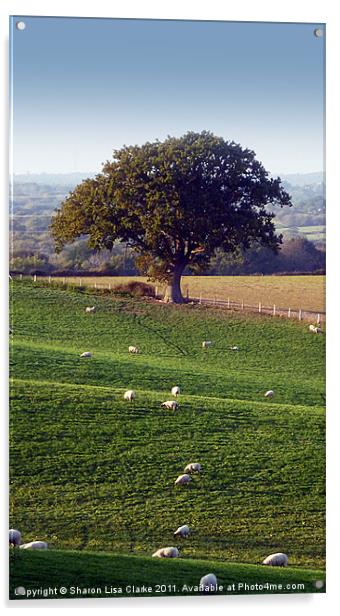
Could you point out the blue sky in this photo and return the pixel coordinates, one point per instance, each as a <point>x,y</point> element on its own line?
<point>83,87</point>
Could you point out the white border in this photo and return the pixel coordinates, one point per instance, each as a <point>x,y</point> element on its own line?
<point>245,10</point>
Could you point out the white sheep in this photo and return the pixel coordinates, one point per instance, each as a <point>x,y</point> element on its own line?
<point>206,344</point>
<point>175,390</point>
<point>269,394</point>
<point>129,395</point>
<point>182,480</point>
<point>170,404</point>
<point>234,348</point>
<point>276,560</point>
<point>14,537</point>
<point>90,309</point>
<point>315,329</point>
<point>34,545</point>
<point>182,531</point>
<point>167,553</point>
<point>86,354</point>
<point>208,583</point>
<point>193,467</point>
<point>133,349</point>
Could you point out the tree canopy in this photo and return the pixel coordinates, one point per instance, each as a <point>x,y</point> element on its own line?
<point>175,202</point>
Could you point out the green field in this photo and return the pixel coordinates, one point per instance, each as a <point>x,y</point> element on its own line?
<point>314,233</point>
<point>306,292</point>
<point>92,473</point>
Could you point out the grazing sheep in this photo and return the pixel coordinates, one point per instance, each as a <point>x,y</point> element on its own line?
<point>167,553</point>
<point>193,467</point>
<point>276,560</point>
<point>206,344</point>
<point>129,395</point>
<point>234,348</point>
<point>34,545</point>
<point>175,391</point>
<point>134,349</point>
<point>90,309</point>
<point>315,329</point>
<point>208,583</point>
<point>269,394</point>
<point>14,537</point>
<point>86,354</point>
<point>170,404</point>
<point>182,480</point>
<point>182,531</point>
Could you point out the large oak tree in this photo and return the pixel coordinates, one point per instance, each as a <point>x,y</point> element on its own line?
<point>175,202</point>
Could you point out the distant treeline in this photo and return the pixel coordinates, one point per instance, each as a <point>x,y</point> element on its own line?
<point>32,248</point>
<point>297,255</point>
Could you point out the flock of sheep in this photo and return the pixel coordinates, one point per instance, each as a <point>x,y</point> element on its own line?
<point>208,583</point>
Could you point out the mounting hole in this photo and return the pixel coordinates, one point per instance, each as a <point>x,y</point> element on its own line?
<point>20,25</point>
<point>319,584</point>
<point>318,32</point>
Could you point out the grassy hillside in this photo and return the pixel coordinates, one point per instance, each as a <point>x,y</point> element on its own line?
<point>88,574</point>
<point>92,472</point>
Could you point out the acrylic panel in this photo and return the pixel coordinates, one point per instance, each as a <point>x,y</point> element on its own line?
<point>167,308</point>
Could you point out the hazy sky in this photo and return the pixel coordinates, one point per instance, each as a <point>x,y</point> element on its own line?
<point>83,87</point>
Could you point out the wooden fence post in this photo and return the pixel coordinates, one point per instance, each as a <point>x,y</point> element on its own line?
<point>260,307</point>
<point>64,280</point>
<point>95,284</point>
<point>35,278</point>
<point>242,305</point>
<point>228,302</point>
<point>49,280</point>
<point>300,315</point>
<point>80,282</point>
<point>156,292</point>
<point>318,319</point>
<point>20,276</point>
<point>288,313</point>
<point>274,310</point>
<point>109,286</point>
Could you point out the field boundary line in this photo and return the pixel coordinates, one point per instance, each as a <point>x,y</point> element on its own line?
<point>197,562</point>
<point>124,357</point>
<point>193,397</point>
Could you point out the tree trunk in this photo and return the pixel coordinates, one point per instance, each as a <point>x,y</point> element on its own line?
<point>173,293</point>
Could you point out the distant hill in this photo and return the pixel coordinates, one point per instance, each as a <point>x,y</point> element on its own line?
<point>302,179</point>
<point>74,177</point>
<point>53,179</point>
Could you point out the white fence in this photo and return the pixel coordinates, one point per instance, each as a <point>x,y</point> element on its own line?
<point>290,313</point>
